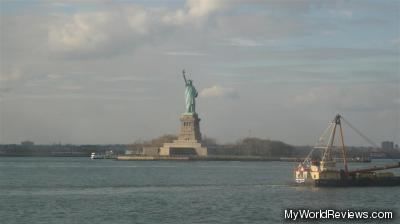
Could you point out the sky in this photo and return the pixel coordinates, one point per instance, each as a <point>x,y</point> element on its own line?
<point>107,72</point>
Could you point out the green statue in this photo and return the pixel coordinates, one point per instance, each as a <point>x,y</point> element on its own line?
<point>190,94</point>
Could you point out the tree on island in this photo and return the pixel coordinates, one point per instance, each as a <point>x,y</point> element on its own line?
<point>262,147</point>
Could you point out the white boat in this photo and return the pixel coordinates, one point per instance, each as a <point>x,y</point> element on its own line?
<point>97,156</point>
<point>108,155</point>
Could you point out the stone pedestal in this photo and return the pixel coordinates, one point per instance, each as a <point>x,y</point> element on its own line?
<point>189,139</point>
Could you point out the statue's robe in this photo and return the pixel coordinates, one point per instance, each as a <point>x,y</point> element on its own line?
<point>190,94</point>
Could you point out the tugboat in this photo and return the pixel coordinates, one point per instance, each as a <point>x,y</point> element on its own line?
<point>324,173</point>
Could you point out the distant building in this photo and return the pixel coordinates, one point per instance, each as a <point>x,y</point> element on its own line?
<point>387,145</point>
<point>27,143</point>
<point>151,151</point>
<point>144,151</point>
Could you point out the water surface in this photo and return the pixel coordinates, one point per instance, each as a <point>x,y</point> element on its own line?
<point>80,190</point>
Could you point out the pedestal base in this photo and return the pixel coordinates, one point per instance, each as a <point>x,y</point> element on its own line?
<point>183,148</point>
<point>189,139</point>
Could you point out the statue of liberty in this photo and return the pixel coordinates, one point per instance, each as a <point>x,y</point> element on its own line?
<point>190,94</point>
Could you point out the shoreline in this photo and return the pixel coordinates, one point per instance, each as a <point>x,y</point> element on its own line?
<point>204,158</point>
<point>187,158</point>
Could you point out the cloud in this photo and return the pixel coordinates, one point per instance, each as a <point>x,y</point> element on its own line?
<point>10,79</point>
<point>134,50</point>
<point>184,53</point>
<point>198,8</point>
<point>115,28</point>
<point>395,42</point>
<point>104,31</point>
<point>195,11</point>
<point>344,13</point>
<point>12,75</point>
<point>126,79</point>
<point>242,42</point>
<point>125,26</point>
<point>139,19</point>
<point>355,97</point>
<point>54,76</point>
<point>83,97</point>
<point>82,31</point>
<point>70,87</point>
<point>218,91</point>
<point>329,32</point>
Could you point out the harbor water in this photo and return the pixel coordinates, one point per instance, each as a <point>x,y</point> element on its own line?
<point>80,190</point>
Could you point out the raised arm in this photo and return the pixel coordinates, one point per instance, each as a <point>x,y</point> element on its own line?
<point>184,77</point>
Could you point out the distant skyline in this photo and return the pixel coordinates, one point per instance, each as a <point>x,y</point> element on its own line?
<point>105,72</point>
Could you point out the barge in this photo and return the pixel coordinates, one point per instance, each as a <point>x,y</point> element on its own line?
<point>325,173</point>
